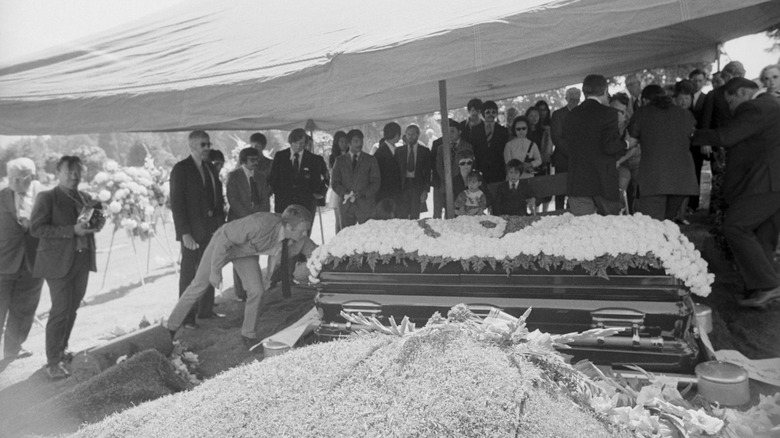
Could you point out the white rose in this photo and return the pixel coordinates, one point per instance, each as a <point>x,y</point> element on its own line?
<point>104,195</point>
<point>115,207</point>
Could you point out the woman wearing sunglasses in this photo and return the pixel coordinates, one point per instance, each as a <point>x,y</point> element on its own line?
<point>521,148</point>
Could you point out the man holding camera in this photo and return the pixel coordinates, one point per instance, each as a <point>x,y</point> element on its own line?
<point>60,219</point>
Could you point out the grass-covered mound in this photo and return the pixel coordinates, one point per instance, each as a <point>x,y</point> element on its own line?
<point>451,378</point>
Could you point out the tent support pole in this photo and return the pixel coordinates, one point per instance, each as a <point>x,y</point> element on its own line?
<point>445,150</point>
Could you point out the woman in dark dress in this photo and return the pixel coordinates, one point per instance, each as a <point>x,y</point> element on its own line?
<point>539,133</point>
<point>666,175</point>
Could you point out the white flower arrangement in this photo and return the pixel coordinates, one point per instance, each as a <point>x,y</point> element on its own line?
<point>593,242</point>
<point>132,194</point>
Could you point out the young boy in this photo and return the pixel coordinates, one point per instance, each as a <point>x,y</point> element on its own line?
<point>471,201</point>
<point>514,197</point>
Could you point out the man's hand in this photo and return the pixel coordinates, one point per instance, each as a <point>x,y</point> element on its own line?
<point>706,150</point>
<point>25,223</point>
<point>349,197</point>
<point>424,196</point>
<point>81,230</point>
<point>189,242</point>
<point>318,196</point>
<point>216,279</point>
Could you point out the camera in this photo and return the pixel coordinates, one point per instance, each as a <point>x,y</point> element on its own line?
<point>92,217</point>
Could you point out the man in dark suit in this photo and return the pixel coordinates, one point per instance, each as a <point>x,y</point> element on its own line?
<point>19,290</point>
<point>295,175</point>
<point>389,169</point>
<point>356,180</point>
<point>698,78</point>
<point>560,156</point>
<point>247,192</point>
<point>592,136</point>
<point>66,254</point>
<point>751,186</point>
<point>457,144</point>
<point>414,160</point>
<point>492,140</point>
<point>198,210</point>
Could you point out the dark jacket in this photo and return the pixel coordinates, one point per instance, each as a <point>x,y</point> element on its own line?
<point>194,213</point>
<point>389,171</point>
<point>593,139</point>
<point>422,166</point>
<point>17,246</point>
<point>296,187</point>
<point>752,139</point>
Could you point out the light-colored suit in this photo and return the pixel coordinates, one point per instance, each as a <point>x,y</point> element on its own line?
<point>364,182</point>
<point>19,290</point>
<point>239,194</point>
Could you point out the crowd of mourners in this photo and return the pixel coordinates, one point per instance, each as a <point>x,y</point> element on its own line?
<point>637,151</point>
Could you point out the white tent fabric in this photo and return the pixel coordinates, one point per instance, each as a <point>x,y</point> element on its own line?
<point>243,64</point>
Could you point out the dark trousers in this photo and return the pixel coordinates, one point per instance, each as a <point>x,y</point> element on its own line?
<point>19,297</point>
<point>189,265</point>
<point>661,206</point>
<point>66,295</point>
<point>751,227</point>
<point>409,201</point>
<point>698,162</point>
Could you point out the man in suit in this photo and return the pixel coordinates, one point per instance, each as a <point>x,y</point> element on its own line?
<point>241,242</point>
<point>295,175</point>
<point>698,78</point>
<point>247,192</point>
<point>457,144</point>
<point>356,180</point>
<point>198,210</point>
<point>751,186</point>
<point>494,138</point>
<point>19,290</point>
<point>474,131</point>
<point>66,254</point>
<point>634,88</point>
<point>592,136</point>
<point>560,156</point>
<point>414,160</point>
<point>259,142</point>
<point>389,169</point>
<point>514,197</point>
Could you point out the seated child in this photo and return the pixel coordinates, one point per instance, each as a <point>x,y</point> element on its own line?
<point>471,201</point>
<point>514,197</point>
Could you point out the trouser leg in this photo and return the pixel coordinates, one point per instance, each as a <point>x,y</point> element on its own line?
<point>238,287</point>
<point>673,204</point>
<point>182,312</point>
<point>581,205</point>
<point>248,269</point>
<point>189,266</point>
<point>653,206</point>
<point>25,294</point>
<point>66,295</point>
<point>438,203</point>
<point>746,226</point>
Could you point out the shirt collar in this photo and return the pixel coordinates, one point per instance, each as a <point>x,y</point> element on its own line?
<point>247,172</point>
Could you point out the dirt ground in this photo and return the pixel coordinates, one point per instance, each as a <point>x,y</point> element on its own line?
<point>120,305</point>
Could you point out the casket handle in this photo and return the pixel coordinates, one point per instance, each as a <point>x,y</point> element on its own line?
<point>611,317</point>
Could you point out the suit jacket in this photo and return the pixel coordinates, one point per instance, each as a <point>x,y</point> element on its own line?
<point>389,172</point>
<point>17,245</point>
<point>512,202</point>
<point>560,156</point>
<point>697,107</point>
<point>299,187</point>
<point>190,203</point>
<point>52,220</point>
<point>364,181</point>
<point>422,166</point>
<point>715,111</point>
<point>752,139</point>
<point>488,153</point>
<point>239,194</point>
<point>592,136</point>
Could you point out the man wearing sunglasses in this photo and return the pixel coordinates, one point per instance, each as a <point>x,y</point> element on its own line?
<point>457,144</point>
<point>198,210</point>
<point>488,139</point>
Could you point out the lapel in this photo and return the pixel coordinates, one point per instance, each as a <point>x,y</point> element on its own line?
<point>10,202</point>
<point>194,168</point>
<point>697,106</point>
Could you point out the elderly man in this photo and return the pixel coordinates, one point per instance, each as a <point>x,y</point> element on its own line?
<point>751,186</point>
<point>20,291</point>
<point>593,138</point>
<point>66,254</point>
<point>241,242</point>
<point>198,210</point>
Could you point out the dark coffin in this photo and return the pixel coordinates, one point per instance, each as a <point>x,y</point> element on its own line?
<point>655,308</point>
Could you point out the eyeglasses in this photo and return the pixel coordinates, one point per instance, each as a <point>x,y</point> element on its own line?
<point>465,163</point>
<point>521,129</point>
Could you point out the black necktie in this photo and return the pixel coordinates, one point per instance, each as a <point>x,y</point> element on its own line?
<point>255,192</point>
<point>354,162</point>
<point>295,163</point>
<point>410,161</point>
<point>209,184</point>
<point>285,268</point>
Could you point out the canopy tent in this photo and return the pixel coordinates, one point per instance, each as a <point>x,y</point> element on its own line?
<point>243,64</point>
